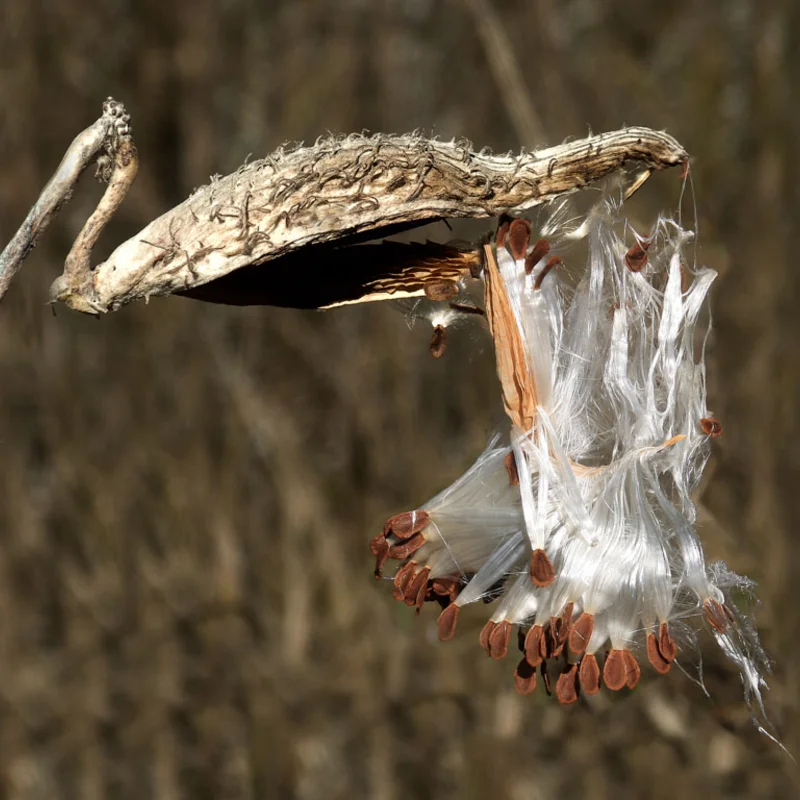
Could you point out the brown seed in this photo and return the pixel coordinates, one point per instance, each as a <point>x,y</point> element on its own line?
<point>589,674</point>
<point>666,644</point>
<point>615,672</point>
<point>542,572</point>
<point>519,236</point>
<point>581,633</point>
<point>632,671</point>
<point>553,261</point>
<point>717,616</point>
<point>485,634</point>
<point>535,646</point>
<point>511,468</point>
<point>402,578</point>
<point>684,170</point>
<point>502,231</point>
<point>404,550</point>
<point>655,657</point>
<point>498,640</point>
<point>636,257</point>
<point>415,594</point>
<point>447,622</point>
<point>405,525</point>
<point>545,678</point>
<point>446,587</point>
<point>524,677</point>
<point>466,308</point>
<point>438,342</point>
<point>440,290</point>
<point>711,427</point>
<point>560,627</point>
<point>540,250</point>
<point>684,279</point>
<point>567,685</point>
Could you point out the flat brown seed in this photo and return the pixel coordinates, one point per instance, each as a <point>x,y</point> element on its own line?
<point>666,644</point>
<point>542,571</point>
<point>632,671</point>
<point>589,674</point>
<point>545,678</point>
<point>519,236</point>
<point>553,261</point>
<point>560,628</point>
<point>415,594</point>
<point>511,468</point>
<point>581,633</point>
<point>535,648</point>
<point>711,427</point>
<point>485,634</point>
<point>498,640</point>
<point>567,685</point>
<point>438,343</point>
<point>402,578</point>
<point>379,547</point>
<point>636,257</point>
<point>405,525</point>
<point>660,664</point>
<point>716,615</point>
<point>446,587</point>
<point>447,622</point>
<point>540,250</point>
<point>407,548</point>
<point>525,677</point>
<point>615,672</point>
<point>502,231</point>
<point>440,290</point>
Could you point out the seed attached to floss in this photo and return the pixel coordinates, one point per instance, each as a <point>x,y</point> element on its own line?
<point>632,670</point>
<point>405,525</point>
<point>581,633</point>
<point>519,235</point>
<point>589,674</point>
<point>524,677</point>
<point>447,622</point>
<point>636,257</point>
<point>542,571</point>
<point>535,646</point>
<point>656,658</point>
<point>553,261</point>
<point>540,250</point>
<point>498,640</point>
<point>379,547</point>
<point>559,631</point>
<point>717,615</point>
<point>615,671</point>
<point>415,594</point>
<point>666,644</point>
<point>438,342</point>
<point>486,633</point>
<point>440,290</point>
<point>567,685</point>
<point>711,427</point>
<point>510,462</point>
<point>407,547</point>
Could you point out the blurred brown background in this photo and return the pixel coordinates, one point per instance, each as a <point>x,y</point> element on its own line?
<point>187,492</point>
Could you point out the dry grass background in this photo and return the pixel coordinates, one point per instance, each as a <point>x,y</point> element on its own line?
<point>187,492</point>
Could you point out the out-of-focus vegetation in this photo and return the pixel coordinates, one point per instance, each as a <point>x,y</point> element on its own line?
<point>187,492</point>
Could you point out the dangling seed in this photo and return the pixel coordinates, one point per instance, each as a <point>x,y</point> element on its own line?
<point>615,673</point>
<point>589,674</point>
<point>519,236</point>
<point>535,646</point>
<point>511,468</point>
<point>447,622</point>
<point>405,525</point>
<point>581,633</point>
<point>540,250</point>
<point>666,644</point>
<point>524,677</point>
<point>379,547</point>
<point>711,427</point>
<point>446,587</point>
<point>498,640</point>
<point>407,548</point>
<point>402,578</point>
<point>545,678</point>
<point>485,634</point>
<point>542,571</point>
<point>632,671</point>
<point>502,231</point>
<point>440,290</point>
<point>553,261</point>
<point>717,616</point>
<point>560,628</point>
<point>636,257</point>
<point>438,342</point>
<point>655,657</point>
<point>567,685</point>
<point>466,308</point>
<point>415,594</point>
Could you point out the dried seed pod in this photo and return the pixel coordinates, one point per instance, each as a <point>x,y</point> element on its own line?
<point>524,677</point>
<point>542,571</point>
<point>407,548</point>
<point>717,615</point>
<point>540,250</point>
<point>615,671</point>
<point>711,427</point>
<point>438,342</point>
<point>655,656</point>
<point>535,646</point>
<point>510,462</point>
<point>440,290</point>
<point>567,685</point>
<point>405,525</point>
<point>589,674</point>
<point>632,670</point>
<point>447,622</point>
<point>581,633</point>
<point>499,639</point>
<point>553,261</point>
<point>666,644</point>
<point>485,635</point>
<point>519,236</point>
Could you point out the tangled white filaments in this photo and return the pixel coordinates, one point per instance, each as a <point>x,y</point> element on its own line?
<point>581,524</point>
